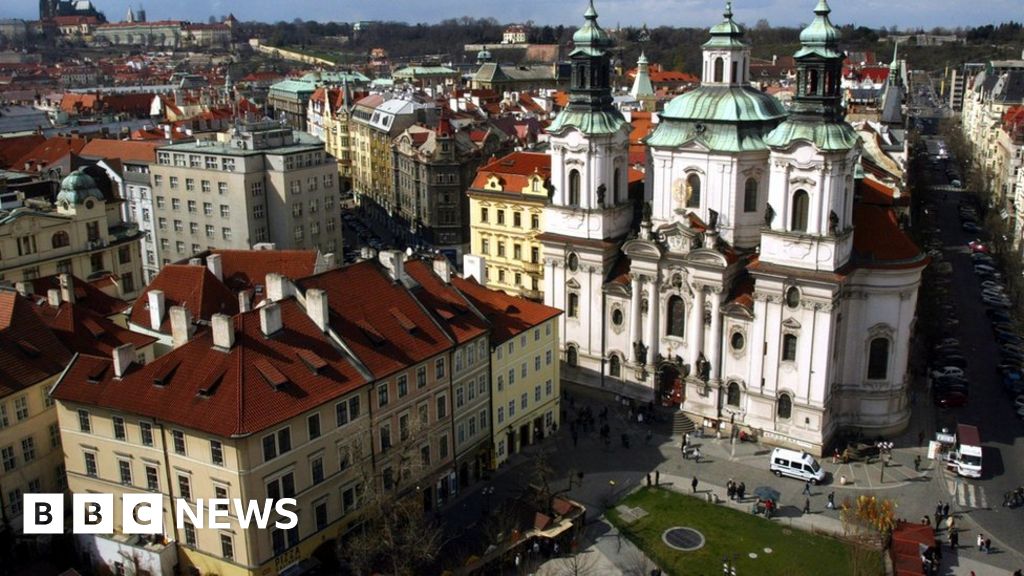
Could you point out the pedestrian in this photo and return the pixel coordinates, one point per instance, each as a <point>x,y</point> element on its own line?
<point>730,489</point>
<point>686,440</point>
<point>696,455</point>
<point>693,484</point>
<point>657,477</point>
<point>917,463</point>
<point>831,501</point>
<point>954,540</point>
<point>807,488</point>
<point>741,490</point>
<point>988,545</point>
<point>647,437</point>
<point>648,479</point>
<point>807,505</point>
<point>981,542</point>
<point>938,513</point>
<point>950,523</point>
<point>945,510</point>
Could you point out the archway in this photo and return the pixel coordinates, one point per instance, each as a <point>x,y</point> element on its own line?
<point>670,385</point>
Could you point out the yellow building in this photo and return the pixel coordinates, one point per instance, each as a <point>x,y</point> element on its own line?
<point>525,389</point>
<point>328,120</point>
<point>506,205</point>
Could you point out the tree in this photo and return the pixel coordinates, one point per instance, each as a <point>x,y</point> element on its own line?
<point>581,564</point>
<point>868,522</point>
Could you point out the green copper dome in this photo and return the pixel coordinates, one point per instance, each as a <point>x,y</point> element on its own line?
<point>724,104</point>
<point>591,38</point>
<point>78,186</point>
<point>727,34</point>
<point>821,36</point>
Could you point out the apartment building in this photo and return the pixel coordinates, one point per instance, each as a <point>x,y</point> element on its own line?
<point>506,208</point>
<point>264,184</point>
<point>81,234</point>
<point>524,365</point>
<point>327,118</point>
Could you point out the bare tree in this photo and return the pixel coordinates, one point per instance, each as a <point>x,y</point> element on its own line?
<point>582,564</point>
<point>637,563</point>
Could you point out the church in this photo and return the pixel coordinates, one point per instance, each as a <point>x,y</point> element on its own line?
<point>761,291</point>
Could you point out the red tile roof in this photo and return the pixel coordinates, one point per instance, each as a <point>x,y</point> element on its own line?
<point>86,332</point>
<point>193,287</point>
<point>48,152</point>
<point>872,191</point>
<point>223,393</point>
<point>124,150</point>
<point>11,149</point>
<point>85,295</point>
<point>450,309</point>
<point>878,241</point>
<point>509,315</point>
<point>29,351</point>
<point>361,297</point>
<point>247,269</point>
<point>514,170</point>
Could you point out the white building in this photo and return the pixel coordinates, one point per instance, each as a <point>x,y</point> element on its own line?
<point>745,297</point>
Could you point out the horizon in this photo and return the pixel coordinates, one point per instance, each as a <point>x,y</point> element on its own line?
<point>875,14</point>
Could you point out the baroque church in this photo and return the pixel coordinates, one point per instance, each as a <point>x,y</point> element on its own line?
<point>760,292</point>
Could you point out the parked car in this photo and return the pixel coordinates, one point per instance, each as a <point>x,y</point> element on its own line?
<point>954,371</point>
<point>1009,338</point>
<point>999,315</point>
<point>985,268</point>
<point>954,360</point>
<point>992,285</point>
<point>978,246</point>
<point>982,258</point>
<point>970,226</point>
<point>1018,402</point>
<point>950,399</point>
<point>995,302</point>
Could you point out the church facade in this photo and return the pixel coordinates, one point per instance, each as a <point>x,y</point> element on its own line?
<point>758,291</point>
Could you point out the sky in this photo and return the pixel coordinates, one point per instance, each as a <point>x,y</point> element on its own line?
<point>696,13</point>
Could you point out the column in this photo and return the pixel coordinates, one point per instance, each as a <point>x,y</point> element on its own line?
<point>716,335</point>
<point>635,321</point>
<point>695,336</point>
<point>653,313</point>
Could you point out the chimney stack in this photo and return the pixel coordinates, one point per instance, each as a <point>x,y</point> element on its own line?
<point>67,288</point>
<point>53,297</point>
<point>330,261</point>
<point>443,268</point>
<point>195,261</point>
<point>124,356</point>
<point>244,301</point>
<point>278,287</point>
<point>156,308</point>
<point>223,331</point>
<point>23,289</point>
<point>394,261</point>
<point>270,318</point>
<point>181,325</point>
<point>474,266</point>
<point>213,262</point>
<point>316,307</point>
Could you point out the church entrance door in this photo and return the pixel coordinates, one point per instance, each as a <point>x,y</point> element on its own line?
<point>670,386</point>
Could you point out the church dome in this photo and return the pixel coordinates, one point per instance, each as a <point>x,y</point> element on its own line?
<point>724,104</point>
<point>820,36</point>
<point>76,187</point>
<point>591,35</point>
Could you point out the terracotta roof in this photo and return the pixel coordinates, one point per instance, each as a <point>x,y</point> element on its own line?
<point>872,191</point>
<point>86,332</point>
<point>247,269</point>
<point>223,393</point>
<point>361,298</point>
<point>11,149</point>
<point>450,309</point>
<point>29,351</point>
<point>742,293</point>
<point>620,271</point>
<point>509,315</point>
<point>514,170</point>
<point>878,241</point>
<point>85,295</point>
<point>640,124</point>
<point>193,287</point>
<point>125,150</point>
<point>48,152</point>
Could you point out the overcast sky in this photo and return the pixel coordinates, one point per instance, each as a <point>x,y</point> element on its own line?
<point>697,13</point>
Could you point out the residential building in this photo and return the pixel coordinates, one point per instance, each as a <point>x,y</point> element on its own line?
<point>265,184</point>
<point>507,77</point>
<point>328,120</point>
<point>290,98</point>
<point>514,34</point>
<point>81,234</point>
<point>524,365</point>
<point>506,211</point>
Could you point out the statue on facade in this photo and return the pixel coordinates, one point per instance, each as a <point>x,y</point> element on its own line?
<point>601,190</point>
<point>769,216</point>
<point>703,368</point>
<point>648,210</point>
<point>712,220</point>
<point>640,349</point>
<point>549,187</point>
<point>833,223</point>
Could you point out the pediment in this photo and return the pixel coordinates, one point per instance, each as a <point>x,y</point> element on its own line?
<point>572,283</point>
<point>679,238</point>
<point>707,256</point>
<point>641,249</point>
<point>791,323</point>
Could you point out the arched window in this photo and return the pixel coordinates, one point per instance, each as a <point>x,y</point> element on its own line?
<point>735,72</point>
<point>571,355</point>
<point>617,188</point>
<point>61,239</point>
<point>676,316</point>
<point>574,305</point>
<point>574,262</point>
<point>812,82</point>
<point>789,347</point>
<point>615,366</point>
<point>785,407</point>
<point>750,195</point>
<point>693,191</point>
<point>732,396</point>
<point>617,317</point>
<point>574,187</point>
<point>878,359</point>
<point>801,206</point>
<point>719,69</point>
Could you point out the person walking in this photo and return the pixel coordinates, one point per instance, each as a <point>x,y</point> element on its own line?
<point>981,542</point>
<point>807,505</point>
<point>917,463</point>
<point>988,545</point>
<point>954,540</point>
<point>807,488</point>
<point>693,484</point>
<point>647,437</point>
<point>730,489</point>
<point>831,501</point>
<point>945,510</point>
<point>741,490</point>
<point>696,455</point>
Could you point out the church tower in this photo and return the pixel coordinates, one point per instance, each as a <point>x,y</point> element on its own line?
<point>809,218</point>
<point>589,212</point>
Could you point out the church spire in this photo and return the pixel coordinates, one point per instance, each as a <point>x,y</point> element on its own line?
<point>642,84</point>
<point>819,69</point>
<point>726,54</point>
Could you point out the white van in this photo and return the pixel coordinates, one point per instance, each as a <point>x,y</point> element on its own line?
<point>799,465</point>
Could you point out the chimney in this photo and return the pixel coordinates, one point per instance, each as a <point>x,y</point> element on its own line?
<point>394,261</point>
<point>23,288</point>
<point>278,287</point>
<point>181,325</point>
<point>124,355</point>
<point>223,331</point>
<point>367,253</point>
<point>53,297</point>
<point>474,266</point>
<point>330,261</point>
<point>195,261</point>
<point>316,307</point>
<point>443,268</point>
<point>156,308</point>
<point>244,301</point>
<point>67,288</point>
<point>214,264</point>
<point>270,319</point>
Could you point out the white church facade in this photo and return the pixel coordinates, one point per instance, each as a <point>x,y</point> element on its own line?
<point>759,290</point>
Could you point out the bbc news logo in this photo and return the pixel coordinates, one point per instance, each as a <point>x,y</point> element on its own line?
<point>143,513</point>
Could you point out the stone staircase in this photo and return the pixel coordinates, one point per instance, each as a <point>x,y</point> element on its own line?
<point>681,424</point>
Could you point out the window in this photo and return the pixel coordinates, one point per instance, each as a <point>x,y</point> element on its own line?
<point>534,221</point>
<point>14,499</point>
<point>536,393</point>
<point>60,239</point>
<point>179,441</point>
<point>719,69</point>
<point>793,297</point>
<point>205,186</point>
<point>225,211</point>
<point>732,396</point>
<point>442,448</point>
<point>801,205</point>
<point>737,341</point>
<point>574,187</point>
<point>346,411</point>
<point>382,395</point>
<point>227,547</point>
<point>750,195</point>
<point>501,217</point>
<point>190,535</point>
<point>878,359</point>
<point>517,219</point>
<point>501,414</point>
<point>190,184</point>
<point>571,356</point>
<point>216,453</point>
<point>317,469</point>
<point>124,467</point>
<point>501,249</point>
<point>517,253</point>
<point>614,367</point>
<point>90,464</point>
<point>789,348</point>
<point>574,305</point>
<point>785,407</point>
<point>281,487</point>
<point>225,233</point>
<point>439,368</point>
<point>548,388</point>
<point>442,407</point>
<point>174,185</point>
<point>403,385</point>
<point>21,408</point>
<point>7,455</point>
<point>210,231</point>
<point>54,435</point>
<point>320,514</point>
<point>421,377</point>
<point>484,217</point>
<point>523,400</point>
<point>84,422</point>
<point>146,431</point>
<point>313,426</point>
<point>547,358</point>
<point>676,317</point>
<point>693,191</point>
<point>28,449</point>
<point>119,432</point>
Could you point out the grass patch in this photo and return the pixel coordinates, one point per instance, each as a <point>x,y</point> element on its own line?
<point>733,534</point>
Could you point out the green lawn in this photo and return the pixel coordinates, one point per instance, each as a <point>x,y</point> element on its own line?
<point>730,533</point>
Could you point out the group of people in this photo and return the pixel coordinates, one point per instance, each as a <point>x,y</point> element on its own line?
<point>689,451</point>
<point>735,490</point>
<point>984,544</point>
